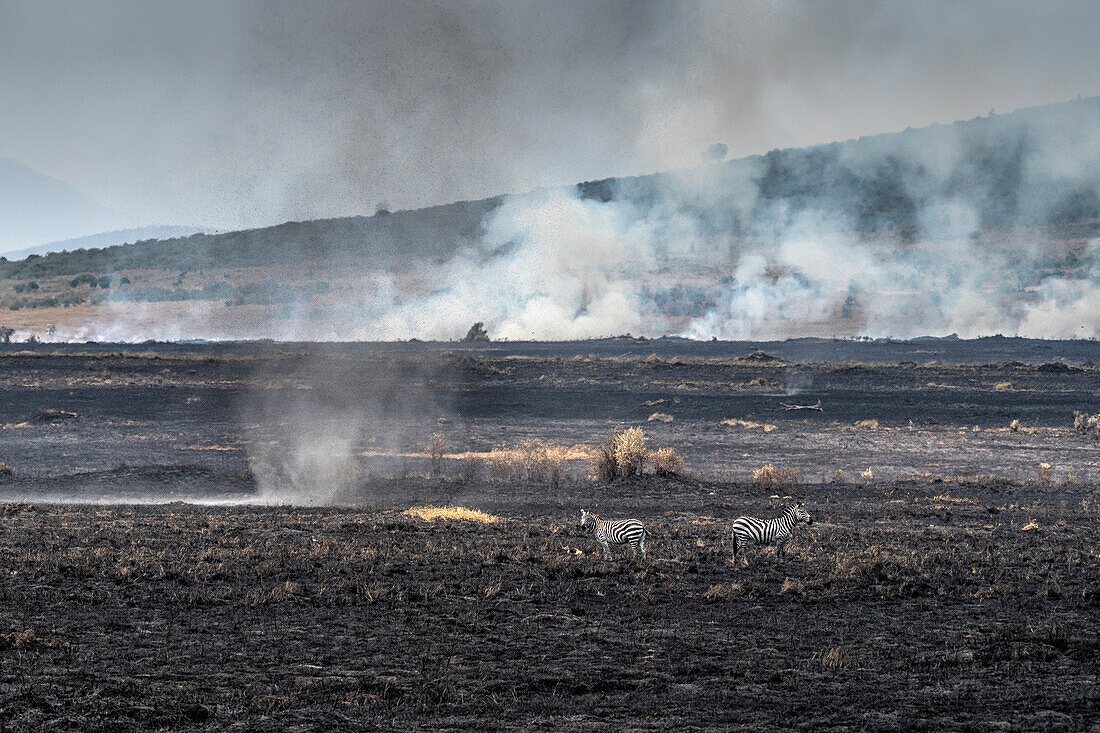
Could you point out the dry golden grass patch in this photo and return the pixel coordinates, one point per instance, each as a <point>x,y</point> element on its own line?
<point>666,461</point>
<point>867,424</point>
<point>770,477</point>
<point>867,475</point>
<point>458,513</point>
<point>1002,387</point>
<point>736,422</point>
<point>661,417</point>
<point>1032,524</point>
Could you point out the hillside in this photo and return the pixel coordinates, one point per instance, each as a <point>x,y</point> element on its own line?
<point>1033,167</point>
<point>977,228</point>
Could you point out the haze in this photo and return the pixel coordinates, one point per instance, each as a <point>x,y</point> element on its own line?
<point>251,113</point>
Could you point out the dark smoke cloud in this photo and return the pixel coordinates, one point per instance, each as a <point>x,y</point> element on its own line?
<point>240,114</point>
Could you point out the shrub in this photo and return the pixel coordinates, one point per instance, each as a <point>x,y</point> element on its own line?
<point>840,477</point>
<point>660,417</point>
<point>6,471</point>
<point>630,451</point>
<point>532,460</point>
<point>436,446</point>
<point>867,475</point>
<point>471,467</point>
<point>667,462</point>
<point>622,454</point>
<point>1014,426</point>
<point>769,477</point>
<point>1087,424</point>
<point>1045,473</point>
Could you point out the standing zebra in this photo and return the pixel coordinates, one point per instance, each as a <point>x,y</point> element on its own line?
<point>615,532</point>
<point>766,531</point>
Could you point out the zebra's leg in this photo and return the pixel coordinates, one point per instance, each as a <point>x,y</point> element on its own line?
<point>781,547</point>
<point>641,544</point>
<point>606,550</point>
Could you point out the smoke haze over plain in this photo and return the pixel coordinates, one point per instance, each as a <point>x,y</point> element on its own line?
<point>250,113</point>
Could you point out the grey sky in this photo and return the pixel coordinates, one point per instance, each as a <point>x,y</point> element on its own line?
<point>235,114</point>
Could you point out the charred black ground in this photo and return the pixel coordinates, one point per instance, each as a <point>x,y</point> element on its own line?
<point>956,586</point>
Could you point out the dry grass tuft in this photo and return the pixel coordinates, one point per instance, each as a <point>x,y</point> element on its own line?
<point>867,424</point>
<point>1002,386</point>
<point>769,477</point>
<point>6,471</point>
<point>661,417</point>
<point>840,477</point>
<point>1014,426</point>
<point>736,422</point>
<point>723,592</point>
<point>433,513</point>
<point>867,475</point>
<point>1032,524</point>
<point>834,659</point>
<point>667,462</point>
<point>1045,473</point>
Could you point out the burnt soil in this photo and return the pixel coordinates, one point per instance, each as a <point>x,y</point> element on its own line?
<point>155,574</point>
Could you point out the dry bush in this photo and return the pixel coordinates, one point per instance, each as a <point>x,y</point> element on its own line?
<point>1087,424</point>
<point>630,452</point>
<point>622,454</point>
<point>667,462</point>
<point>1014,426</point>
<point>1002,386</point>
<point>532,460</point>
<point>432,513</point>
<point>1045,474</point>
<point>471,467</point>
<point>542,462</point>
<point>436,446</point>
<point>6,471</point>
<point>660,417</point>
<point>736,422</point>
<point>769,477</point>
<point>867,475</point>
<point>840,477</point>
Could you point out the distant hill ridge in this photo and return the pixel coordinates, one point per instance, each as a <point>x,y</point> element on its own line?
<point>1033,167</point>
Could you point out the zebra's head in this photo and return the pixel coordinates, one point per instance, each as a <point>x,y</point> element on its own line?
<point>800,513</point>
<point>584,517</point>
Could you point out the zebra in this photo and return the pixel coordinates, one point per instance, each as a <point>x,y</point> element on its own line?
<point>766,531</point>
<point>615,532</point>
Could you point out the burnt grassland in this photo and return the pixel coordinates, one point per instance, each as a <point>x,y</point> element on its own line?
<point>951,578</point>
<point>902,607</point>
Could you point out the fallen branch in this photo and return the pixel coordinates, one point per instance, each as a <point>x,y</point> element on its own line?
<point>802,407</point>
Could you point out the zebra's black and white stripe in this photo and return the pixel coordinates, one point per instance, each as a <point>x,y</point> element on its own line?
<point>615,532</point>
<point>766,531</point>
